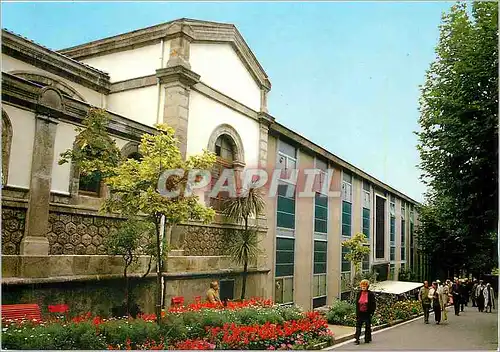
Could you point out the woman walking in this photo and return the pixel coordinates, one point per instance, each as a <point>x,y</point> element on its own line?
<point>489,299</point>
<point>365,307</point>
<point>436,307</point>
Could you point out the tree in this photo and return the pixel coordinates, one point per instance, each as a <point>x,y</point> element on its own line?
<point>134,190</point>
<point>94,150</point>
<point>358,247</point>
<point>134,185</point>
<point>244,246</point>
<point>133,238</point>
<point>458,140</point>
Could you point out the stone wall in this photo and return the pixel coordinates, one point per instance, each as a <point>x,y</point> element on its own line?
<point>79,234</point>
<point>13,222</point>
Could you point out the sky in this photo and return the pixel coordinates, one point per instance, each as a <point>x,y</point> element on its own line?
<point>345,75</point>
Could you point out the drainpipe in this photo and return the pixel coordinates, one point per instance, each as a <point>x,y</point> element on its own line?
<point>159,120</point>
<point>158,83</point>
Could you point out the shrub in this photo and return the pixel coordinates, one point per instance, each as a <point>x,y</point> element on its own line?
<point>342,313</point>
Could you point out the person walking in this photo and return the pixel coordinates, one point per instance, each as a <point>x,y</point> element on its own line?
<point>473,293</point>
<point>423,297</point>
<point>434,297</point>
<point>443,291</point>
<point>480,296</point>
<point>464,294</point>
<point>365,307</point>
<point>455,292</point>
<point>489,297</point>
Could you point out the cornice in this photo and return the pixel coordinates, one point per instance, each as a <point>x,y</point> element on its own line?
<point>25,94</point>
<point>195,31</point>
<point>281,130</point>
<point>177,73</point>
<point>56,63</point>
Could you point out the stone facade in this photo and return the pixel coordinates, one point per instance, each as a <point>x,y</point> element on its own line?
<point>79,234</point>
<point>13,222</point>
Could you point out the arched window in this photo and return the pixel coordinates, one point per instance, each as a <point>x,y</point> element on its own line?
<point>6,143</point>
<point>226,143</point>
<point>224,149</point>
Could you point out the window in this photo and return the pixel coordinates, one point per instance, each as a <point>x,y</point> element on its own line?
<point>346,187</point>
<point>285,256</point>
<point>286,206</point>
<point>224,151</point>
<point>392,229</point>
<point>319,270</point>
<point>346,219</point>
<point>320,213</point>
<point>379,227</point>
<point>366,222</point>
<point>366,263</point>
<point>403,240</point>
<point>284,290</point>
<point>90,184</point>
<point>287,159</point>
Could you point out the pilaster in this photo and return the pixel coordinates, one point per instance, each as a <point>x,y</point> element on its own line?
<point>35,242</point>
<point>265,120</point>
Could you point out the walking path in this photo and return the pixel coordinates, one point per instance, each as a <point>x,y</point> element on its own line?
<point>469,331</point>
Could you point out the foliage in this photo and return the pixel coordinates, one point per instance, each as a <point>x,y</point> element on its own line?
<point>134,237</point>
<point>342,313</point>
<point>94,150</point>
<point>407,274</point>
<point>134,184</point>
<point>388,311</point>
<point>252,324</point>
<point>244,246</point>
<point>358,247</point>
<point>458,142</point>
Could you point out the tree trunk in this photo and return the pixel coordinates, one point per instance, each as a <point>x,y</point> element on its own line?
<point>158,272</point>
<point>244,285</point>
<point>127,300</point>
<point>167,233</point>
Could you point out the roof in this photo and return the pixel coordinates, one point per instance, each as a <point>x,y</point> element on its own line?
<point>5,30</point>
<point>196,30</point>
<point>394,287</point>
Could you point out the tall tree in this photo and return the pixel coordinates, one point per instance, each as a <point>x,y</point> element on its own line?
<point>244,246</point>
<point>458,140</point>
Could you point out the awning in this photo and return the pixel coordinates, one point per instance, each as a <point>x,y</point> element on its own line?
<point>394,287</point>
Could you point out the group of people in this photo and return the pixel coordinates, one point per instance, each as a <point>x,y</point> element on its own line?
<point>440,295</point>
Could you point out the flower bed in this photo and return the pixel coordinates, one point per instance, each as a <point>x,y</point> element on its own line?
<point>251,324</point>
<point>388,311</point>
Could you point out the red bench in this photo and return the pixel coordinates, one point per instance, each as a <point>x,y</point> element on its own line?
<point>21,311</point>
<point>177,301</point>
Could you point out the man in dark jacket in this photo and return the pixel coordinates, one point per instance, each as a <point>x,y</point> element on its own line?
<point>456,294</point>
<point>365,307</point>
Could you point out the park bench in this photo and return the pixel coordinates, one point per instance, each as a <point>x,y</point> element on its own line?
<point>21,311</point>
<point>177,301</point>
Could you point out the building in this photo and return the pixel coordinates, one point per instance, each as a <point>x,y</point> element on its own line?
<point>202,79</point>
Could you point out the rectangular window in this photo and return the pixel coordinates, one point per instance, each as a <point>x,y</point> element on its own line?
<point>320,213</point>
<point>366,222</point>
<point>346,219</point>
<point>393,254</point>
<point>285,256</point>
<point>284,290</point>
<point>403,240</point>
<point>380,227</point>
<point>285,215</point>
<point>366,263</point>
<point>226,289</point>
<point>392,271</point>
<point>347,187</point>
<point>392,230</point>
<point>346,264</point>
<point>287,159</point>
<point>319,285</point>
<point>320,257</point>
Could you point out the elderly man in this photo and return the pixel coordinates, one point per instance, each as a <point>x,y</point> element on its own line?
<point>443,291</point>
<point>213,293</point>
<point>423,297</point>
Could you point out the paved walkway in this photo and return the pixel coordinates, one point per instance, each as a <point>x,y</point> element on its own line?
<point>469,331</point>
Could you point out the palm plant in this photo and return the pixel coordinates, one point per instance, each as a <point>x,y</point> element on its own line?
<point>244,246</point>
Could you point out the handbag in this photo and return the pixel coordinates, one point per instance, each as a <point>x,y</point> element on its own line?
<point>451,299</point>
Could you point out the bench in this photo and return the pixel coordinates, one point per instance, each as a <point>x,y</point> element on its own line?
<point>177,301</point>
<point>21,311</point>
